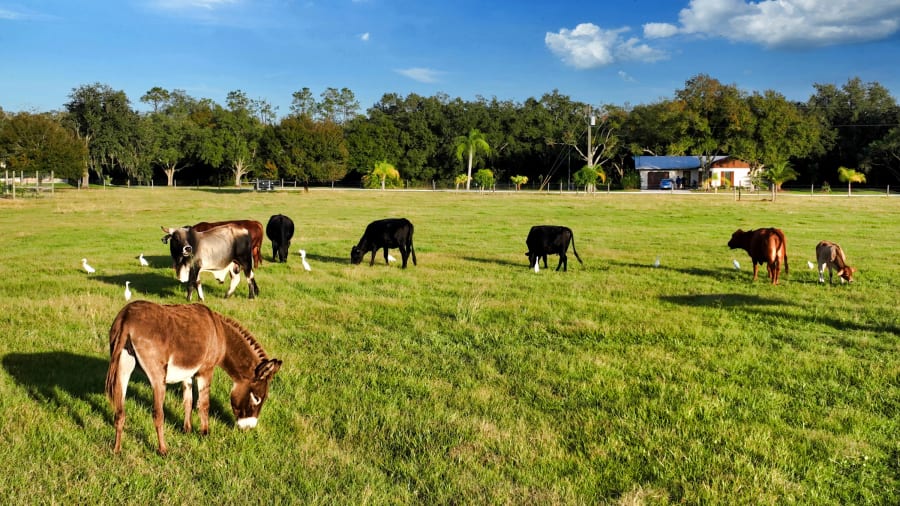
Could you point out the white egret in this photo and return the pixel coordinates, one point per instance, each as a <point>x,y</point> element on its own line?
<point>127,291</point>
<point>303,260</point>
<point>144,262</point>
<point>737,265</point>
<point>87,268</point>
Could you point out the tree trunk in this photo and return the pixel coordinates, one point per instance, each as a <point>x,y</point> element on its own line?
<point>469,179</point>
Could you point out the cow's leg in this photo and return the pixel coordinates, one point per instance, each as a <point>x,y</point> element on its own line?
<point>235,280</point>
<point>199,291</point>
<point>545,260</point>
<point>532,260</point>
<point>187,401</point>
<point>275,254</point>
<point>404,254</point>
<point>774,271</point>
<point>563,262</point>
<point>203,381</point>
<point>127,362</point>
<point>822,272</point>
<point>251,282</point>
<point>372,260</point>
<point>755,270</point>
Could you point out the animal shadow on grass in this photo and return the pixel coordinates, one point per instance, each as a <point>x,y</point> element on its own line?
<point>146,283</point>
<point>500,261</point>
<point>72,382</point>
<point>324,258</point>
<point>767,309</point>
<point>692,271</point>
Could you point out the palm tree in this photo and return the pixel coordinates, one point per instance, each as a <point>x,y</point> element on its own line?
<point>384,171</point>
<point>779,173</point>
<point>460,179</point>
<point>850,176</point>
<point>470,145</point>
<point>519,181</point>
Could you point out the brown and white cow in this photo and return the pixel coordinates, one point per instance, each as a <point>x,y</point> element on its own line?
<point>223,250</point>
<point>765,246</point>
<point>829,254</point>
<point>253,227</point>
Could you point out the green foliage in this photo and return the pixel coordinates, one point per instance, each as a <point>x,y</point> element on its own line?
<point>38,143</point>
<point>468,379</point>
<point>779,173</point>
<point>518,181</point>
<point>850,176</point>
<point>484,178</point>
<point>383,176</point>
<point>461,179</point>
<point>470,145</point>
<point>631,180</point>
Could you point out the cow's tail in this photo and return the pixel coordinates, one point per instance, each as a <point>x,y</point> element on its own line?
<point>117,340</point>
<point>412,249</point>
<point>784,245</point>
<point>574,251</point>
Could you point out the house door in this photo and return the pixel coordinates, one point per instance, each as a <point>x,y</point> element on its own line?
<point>653,179</point>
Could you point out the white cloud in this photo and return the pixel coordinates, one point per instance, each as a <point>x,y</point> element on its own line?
<point>192,4</point>
<point>625,77</point>
<point>423,75</point>
<point>588,46</point>
<point>364,37</point>
<point>659,30</point>
<point>792,23</point>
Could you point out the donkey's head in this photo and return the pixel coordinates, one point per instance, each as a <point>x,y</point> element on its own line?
<point>247,397</point>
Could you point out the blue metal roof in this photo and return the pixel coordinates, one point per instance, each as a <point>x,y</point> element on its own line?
<point>670,162</point>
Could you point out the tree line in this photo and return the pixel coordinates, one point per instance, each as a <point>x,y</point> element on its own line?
<point>438,140</point>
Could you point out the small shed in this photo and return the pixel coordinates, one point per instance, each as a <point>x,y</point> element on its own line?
<point>689,171</point>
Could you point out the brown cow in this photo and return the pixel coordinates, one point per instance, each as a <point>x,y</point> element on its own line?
<point>832,256</point>
<point>765,246</point>
<point>254,227</point>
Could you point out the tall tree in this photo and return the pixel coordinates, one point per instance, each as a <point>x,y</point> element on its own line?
<point>859,115</point>
<point>304,103</point>
<point>39,143</point>
<point>103,119</point>
<point>470,145</point>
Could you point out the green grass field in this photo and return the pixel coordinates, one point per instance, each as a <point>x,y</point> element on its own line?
<point>468,379</point>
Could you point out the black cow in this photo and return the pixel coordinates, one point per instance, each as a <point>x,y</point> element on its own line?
<point>280,230</point>
<point>386,233</point>
<point>546,240</point>
<point>223,250</point>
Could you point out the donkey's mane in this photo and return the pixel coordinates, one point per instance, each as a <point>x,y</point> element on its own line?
<point>246,336</point>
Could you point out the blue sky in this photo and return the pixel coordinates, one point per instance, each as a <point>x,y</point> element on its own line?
<point>618,52</point>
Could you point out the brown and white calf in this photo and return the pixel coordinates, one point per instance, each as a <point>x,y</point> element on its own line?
<point>829,254</point>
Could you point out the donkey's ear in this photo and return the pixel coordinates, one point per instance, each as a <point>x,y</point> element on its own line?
<point>267,368</point>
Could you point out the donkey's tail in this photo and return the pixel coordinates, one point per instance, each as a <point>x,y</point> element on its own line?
<point>117,340</point>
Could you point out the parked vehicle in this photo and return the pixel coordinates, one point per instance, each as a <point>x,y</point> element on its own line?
<point>666,184</point>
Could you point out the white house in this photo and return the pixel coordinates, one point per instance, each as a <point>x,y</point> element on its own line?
<point>722,171</point>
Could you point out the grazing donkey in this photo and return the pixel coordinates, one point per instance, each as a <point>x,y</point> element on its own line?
<point>177,343</point>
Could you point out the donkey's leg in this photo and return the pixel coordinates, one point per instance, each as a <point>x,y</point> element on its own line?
<point>159,396</point>
<point>203,381</point>
<point>127,362</point>
<point>187,397</point>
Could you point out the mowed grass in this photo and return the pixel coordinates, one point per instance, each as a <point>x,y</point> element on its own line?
<point>468,378</point>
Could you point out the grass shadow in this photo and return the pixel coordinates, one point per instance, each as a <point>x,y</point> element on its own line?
<point>72,382</point>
